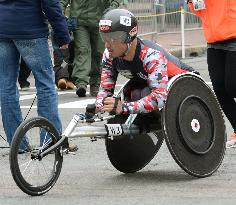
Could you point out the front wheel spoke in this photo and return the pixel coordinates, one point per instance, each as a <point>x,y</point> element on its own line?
<point>42,164</point>
<point>30,173</point>
<point>47,143</point>
<point>27,164</point>
<point>45,137</point>
<point>39,174</point>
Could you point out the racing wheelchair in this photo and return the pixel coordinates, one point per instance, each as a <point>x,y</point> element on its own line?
<point>191,123</point>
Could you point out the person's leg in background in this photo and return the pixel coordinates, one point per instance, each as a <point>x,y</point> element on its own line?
<point>97,47</point>
<point>71,57</point>
<point>62,76</point>
<point>221,66</point>
<point>23,76</point>
<point>82,60</point>
<point>230,85</point>
<point>9,94</point>
<point>70,82</point>
<point>66,66</point>
<point>60,73</point>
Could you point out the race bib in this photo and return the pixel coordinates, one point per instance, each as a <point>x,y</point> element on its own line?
<point>198,5</point>
<point>114,129</point>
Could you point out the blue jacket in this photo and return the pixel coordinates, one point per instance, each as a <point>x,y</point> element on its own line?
<point>28,19</point>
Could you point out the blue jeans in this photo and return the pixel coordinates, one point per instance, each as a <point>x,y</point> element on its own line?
<point>35,53</point>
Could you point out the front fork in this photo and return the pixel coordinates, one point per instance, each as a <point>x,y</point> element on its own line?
<point>63,141</point>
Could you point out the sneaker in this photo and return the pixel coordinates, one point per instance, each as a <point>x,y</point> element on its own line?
<point>72,148</point>
<point>94,90</point>
<point>62,84</point>
<point>81,91</point>
<point>70,85</point>
<point>231,143</point>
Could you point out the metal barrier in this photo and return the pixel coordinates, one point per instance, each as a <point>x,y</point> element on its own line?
<point>164,16</point>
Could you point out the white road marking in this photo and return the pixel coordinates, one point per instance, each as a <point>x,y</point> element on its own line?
<point>27,97</point>
<point>32,96</point>
<point>69,105</point>
<point>77,104</point>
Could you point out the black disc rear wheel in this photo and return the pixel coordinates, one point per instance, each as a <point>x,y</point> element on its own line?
<point>194,126</point>
<point>129,154</point>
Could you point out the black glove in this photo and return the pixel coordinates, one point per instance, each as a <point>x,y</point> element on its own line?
<point>90,111</point>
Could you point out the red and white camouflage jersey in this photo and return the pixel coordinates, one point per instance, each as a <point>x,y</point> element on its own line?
<point>151,65</point>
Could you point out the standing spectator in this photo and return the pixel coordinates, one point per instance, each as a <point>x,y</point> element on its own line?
<point>24,73</point>
<point>219,24</point>
<point>63,65</point>
<point>24,32</point>
<point>63,60</point>
<point>88,44</point>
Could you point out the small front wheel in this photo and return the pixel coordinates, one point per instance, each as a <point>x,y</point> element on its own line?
<point>33,175</point>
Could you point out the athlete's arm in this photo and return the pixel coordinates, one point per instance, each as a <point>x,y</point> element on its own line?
<point>108,80</point>
<point>155,64</point>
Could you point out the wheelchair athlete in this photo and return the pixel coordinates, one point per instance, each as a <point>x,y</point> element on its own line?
<point>146,63</point>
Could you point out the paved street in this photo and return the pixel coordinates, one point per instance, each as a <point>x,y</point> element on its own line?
<point>89,178</point>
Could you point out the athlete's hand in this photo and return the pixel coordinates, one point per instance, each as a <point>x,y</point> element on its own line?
<point>108,105</point>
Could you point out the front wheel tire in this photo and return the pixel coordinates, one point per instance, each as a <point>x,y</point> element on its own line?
<point>34,176</point>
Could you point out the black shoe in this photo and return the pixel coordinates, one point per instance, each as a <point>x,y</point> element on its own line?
<point>81,91</point>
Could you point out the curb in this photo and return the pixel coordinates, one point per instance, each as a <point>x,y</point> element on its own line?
<point>193,51</point>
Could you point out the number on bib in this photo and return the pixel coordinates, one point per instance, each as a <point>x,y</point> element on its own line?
<point>114,129</point>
